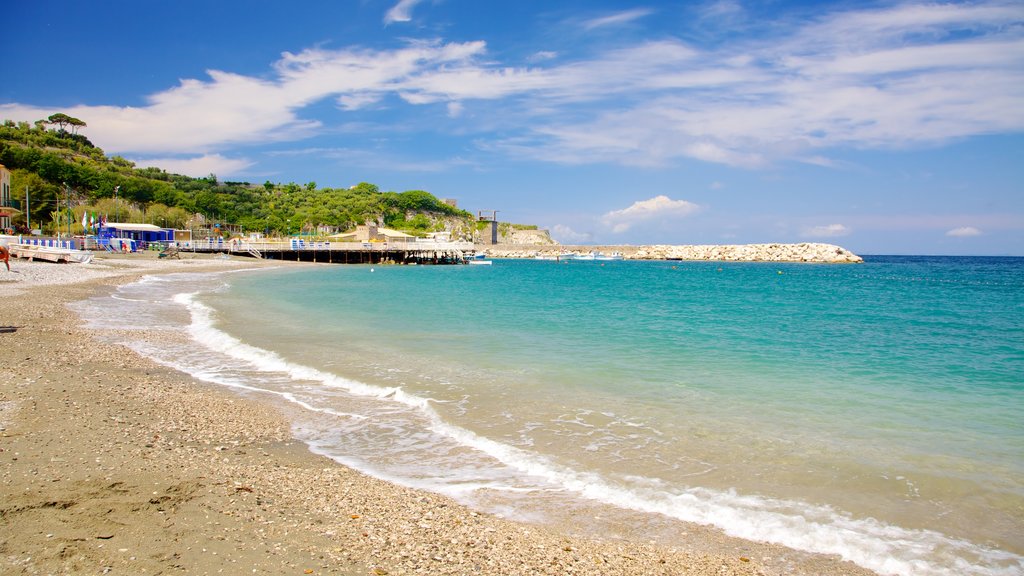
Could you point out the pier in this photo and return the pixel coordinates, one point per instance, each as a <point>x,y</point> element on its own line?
<point>401,252</point>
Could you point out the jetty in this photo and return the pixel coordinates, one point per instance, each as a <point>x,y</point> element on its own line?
<point>810,252</point>
<point>406,251</point>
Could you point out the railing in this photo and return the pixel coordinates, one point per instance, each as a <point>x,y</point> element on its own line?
<point>303,245</point>
<point>47,242</point>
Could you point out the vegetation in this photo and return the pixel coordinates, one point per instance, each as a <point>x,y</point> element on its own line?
<point>67,176</point>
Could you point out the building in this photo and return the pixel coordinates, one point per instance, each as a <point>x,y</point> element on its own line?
<point>489,220</point>
<point>6,208</point>
<point>140,233</point>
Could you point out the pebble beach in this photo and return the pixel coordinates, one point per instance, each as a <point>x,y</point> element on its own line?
<point>110,463</point>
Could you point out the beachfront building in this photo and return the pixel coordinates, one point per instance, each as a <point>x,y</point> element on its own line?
<point>139,234</point>
<point>6,209</point>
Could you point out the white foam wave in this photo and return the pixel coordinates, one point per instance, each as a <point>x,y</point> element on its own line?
<point>875,545</point>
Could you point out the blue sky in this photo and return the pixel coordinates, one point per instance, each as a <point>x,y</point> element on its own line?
<point>885,127</point>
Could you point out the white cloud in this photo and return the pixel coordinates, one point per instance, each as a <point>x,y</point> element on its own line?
<point>895,76</point>
<point>199,116</point>
<point>371,159</point>
<point>616,19</point>
<point>566,235</point>
<point>659,207</point>
<point>722,10</point>
<point>198,166</point>
<point>543,55</point>
<point>401,12</point>
<point>827,231</point>
<point>455,109</point>
<point>964,232</point>
<point>891,77</point>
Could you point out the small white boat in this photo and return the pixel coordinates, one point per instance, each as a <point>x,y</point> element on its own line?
<point>555,257</point>
<point>595,255</point>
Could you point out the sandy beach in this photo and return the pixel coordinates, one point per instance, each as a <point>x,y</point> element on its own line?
<point>110,463</point>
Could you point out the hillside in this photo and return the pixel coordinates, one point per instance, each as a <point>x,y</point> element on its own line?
<point>66,176</point>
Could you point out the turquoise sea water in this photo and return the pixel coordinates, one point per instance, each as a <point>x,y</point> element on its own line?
<point>874,411</point>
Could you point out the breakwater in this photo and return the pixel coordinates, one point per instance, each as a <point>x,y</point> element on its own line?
<point>802,252</point>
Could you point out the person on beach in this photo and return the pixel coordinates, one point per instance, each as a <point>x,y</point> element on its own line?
<point>5,255</point>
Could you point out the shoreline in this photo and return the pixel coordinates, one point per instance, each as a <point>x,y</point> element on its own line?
<point>110,461</point>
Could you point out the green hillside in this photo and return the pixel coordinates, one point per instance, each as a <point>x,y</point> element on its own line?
<point>66,176</point>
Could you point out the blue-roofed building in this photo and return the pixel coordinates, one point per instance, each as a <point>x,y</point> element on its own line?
<point>142,234</point>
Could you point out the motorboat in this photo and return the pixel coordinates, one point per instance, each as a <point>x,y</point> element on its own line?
<point>595,255</point>
<point>561,257</point>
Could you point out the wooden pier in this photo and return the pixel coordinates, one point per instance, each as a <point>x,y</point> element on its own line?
<point>415,252</point>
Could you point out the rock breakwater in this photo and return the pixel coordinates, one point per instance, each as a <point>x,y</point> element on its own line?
<point>802,252</point>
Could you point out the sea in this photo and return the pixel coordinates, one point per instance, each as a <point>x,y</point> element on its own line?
<point>873,411</point>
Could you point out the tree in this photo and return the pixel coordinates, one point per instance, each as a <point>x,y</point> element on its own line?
<point>366,187</point>
<point>62,120</point>
<point>43,196</point>
<point>76,124</point>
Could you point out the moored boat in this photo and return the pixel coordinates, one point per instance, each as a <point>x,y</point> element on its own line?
<point>563,256</point>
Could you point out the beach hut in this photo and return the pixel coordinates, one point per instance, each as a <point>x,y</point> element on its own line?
<point>139,234</point>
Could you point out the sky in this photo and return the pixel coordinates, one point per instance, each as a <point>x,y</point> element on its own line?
<point>883,127</point>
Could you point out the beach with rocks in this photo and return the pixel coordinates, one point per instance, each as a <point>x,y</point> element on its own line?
<point>112,464</point>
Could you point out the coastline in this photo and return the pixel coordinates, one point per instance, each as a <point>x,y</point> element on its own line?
<point>111,461</point>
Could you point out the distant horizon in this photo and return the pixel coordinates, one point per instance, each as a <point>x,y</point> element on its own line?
<point>895,127</point>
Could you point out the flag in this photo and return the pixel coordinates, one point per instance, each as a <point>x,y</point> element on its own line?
<point>92,220</point>
<point>85,220</point>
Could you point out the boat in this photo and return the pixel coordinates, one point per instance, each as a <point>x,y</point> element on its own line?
<point>477,259</point>
<point>595,255</point>
<point>560,257</point>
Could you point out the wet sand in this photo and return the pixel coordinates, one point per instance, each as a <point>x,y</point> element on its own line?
<point>110,463</point>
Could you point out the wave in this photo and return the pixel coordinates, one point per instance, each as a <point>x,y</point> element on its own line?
<point>875,545</point>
